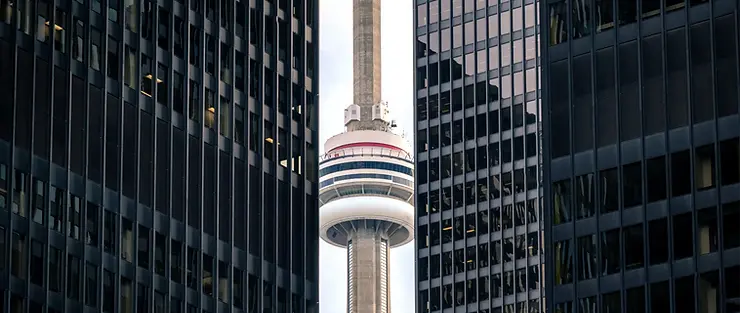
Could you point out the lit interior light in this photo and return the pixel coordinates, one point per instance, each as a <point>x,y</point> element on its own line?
<point>212,110</point>
<point>56,27</point>
<point>149,76</point>
<point>269,140</point>
<point>146,94</point>
<point>447,228</point>
<point>470,230</point>
<point>470,261</point>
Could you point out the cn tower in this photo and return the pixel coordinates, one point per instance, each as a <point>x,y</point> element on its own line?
<point>367,177</point>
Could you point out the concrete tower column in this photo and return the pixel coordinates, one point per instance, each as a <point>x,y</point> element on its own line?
<point>365,60</point>
<point>367,272</point>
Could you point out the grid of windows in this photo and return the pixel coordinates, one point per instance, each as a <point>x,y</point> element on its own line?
<point>642,152</point>
<point>477,165</point>
<point>125,159</point>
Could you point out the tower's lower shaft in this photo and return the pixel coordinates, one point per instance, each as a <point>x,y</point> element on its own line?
<point>368,272</point>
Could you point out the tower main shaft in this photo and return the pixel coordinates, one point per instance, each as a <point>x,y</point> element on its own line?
<point>366,61</point>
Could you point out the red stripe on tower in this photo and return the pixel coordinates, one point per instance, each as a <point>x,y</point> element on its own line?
<point>366,144</point>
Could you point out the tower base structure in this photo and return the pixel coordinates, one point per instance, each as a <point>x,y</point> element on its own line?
<point>368,271</point>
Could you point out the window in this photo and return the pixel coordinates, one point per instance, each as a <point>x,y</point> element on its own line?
<point>147,20</point>
<point>558,23</point>
<point>632,184</point>
<point>113,7</point>
<point>225,118</point>
<point>37,263</point>
<point>127,297</point>
<point>656,179</point>
<point>91,284</point>
<point>269,140</point>
<point>629,104</point>
<point>563,262</point>
<point>587,257</point>
<point>162,73</point>
<point>561,202</point>
<point>194,101</point>
<point>176,261</point>
<point>652,93</point>
<point>707,231</point>
<point>163,31</point>
<point>55,269</point>
<point>6,11</point>
<point>676,75</point>
<point>74,212</point>
<point>725,65</point>
<point>109,232</point>
<point>239,71</point>
<point>74,272</point>
<point>109,292</point>
<point>226,13</point>
<point>225,63</point>
<point>560,108</point>
<point>704,167</point>
<point>680,173</point>
<point>147,75</point>
<point>129,67</point>
<point>191,272</point>
<point>210,55</point>
<point>92,225</point>
<point>683,234</point>
<point>223,282</point>
<point>160,253</point>
<point>610,256</point>
<point>210,10</point>
<point>195,49</point>
<point>131,10</point>
<point>142,299</point>
<point>634,256</point>
<point>95,47</point>
<point>39,201</point>
<point>43,21</point>
<point>57,209</point>
<point>127,240</point>
<point>729,151</point>
<point>238,124</point>
<point>241,18</point>
<point>178,92</point>
<point>609,190</point>
<point>179,38</point>
<point>143,247</point>
<point>209,116</point>
<point>658,241</point>
<point>159,302</point>
<point>113,60</point>
<point>18,255</point>
<point>60,25</point>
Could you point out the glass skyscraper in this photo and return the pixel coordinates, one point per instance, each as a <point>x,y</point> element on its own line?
<point>641,155</point>
<point>477,156</point>
<point>158,156</point>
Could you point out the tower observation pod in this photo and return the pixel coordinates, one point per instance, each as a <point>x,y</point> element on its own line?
<point>366,184</point>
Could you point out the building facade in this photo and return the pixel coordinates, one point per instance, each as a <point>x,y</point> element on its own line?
<point>641,155</point>
<point>158,156</point>
<point>477,156</point>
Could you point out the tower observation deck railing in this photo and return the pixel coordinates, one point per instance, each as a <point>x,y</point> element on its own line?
<point>366,151</point>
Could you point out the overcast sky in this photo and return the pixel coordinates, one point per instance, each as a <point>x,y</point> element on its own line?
<point>335,94</point>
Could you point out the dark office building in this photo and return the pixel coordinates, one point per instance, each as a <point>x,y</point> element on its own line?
<point>641,155</point>
<point>477,157</point>
<point>158,156</point>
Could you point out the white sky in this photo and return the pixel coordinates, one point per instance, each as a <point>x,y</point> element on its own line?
<point>335,94</point>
